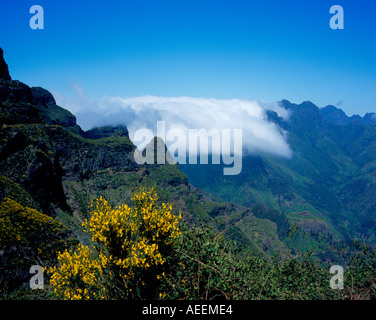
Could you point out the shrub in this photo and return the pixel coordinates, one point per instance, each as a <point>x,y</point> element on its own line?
<point>27,237</point>
<point>131,245</point>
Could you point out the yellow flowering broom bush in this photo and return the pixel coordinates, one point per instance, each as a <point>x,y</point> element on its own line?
<point>79,276</point>
<point>131,245</point>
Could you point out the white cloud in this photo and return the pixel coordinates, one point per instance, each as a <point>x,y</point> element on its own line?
<point>259,134</point>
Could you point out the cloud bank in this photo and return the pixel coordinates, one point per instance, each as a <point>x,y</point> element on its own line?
<point>184,113</point>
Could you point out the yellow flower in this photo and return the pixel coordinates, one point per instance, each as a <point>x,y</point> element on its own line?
<point>128,240</point>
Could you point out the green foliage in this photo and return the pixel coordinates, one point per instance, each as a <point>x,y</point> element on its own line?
<point>11,190</point>
<point>208,266</point>
<point>27,237</point>
<point>361,274</point>
<point>200,264</point>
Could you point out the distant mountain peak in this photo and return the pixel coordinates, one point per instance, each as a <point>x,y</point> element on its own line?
<point>338,116</point>
<point>305,105</point>
<point>370,118</point>
<point>335,115</point>
<point>331,108</point>
<point>4,71</point>
<point>305,113</point>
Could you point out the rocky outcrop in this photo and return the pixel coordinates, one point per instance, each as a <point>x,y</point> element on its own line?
<point>42,97</point>
<point>20,104</point>
<point>41,144</point>
<point>4,72</point>
<point>106,132</point>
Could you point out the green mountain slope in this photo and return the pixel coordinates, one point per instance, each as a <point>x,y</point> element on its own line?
<point>331,174</point>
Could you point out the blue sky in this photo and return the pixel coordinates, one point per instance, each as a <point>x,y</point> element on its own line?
<point>264,50</point>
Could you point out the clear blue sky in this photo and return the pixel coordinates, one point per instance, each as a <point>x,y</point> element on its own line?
<point>266,50</point>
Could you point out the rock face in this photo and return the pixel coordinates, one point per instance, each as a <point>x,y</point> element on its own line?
<point>20,104</point>
<point>42,97</point>
<point>41,146</point>
<point>4,72</point>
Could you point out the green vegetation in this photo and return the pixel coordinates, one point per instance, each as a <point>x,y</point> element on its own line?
<point>330,177</point>
<point>270,232</point>
<point>140,252</point>
<point>27,237</point>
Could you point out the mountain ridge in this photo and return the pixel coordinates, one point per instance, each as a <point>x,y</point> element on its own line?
<point>331,174</point>
<point>338,116</point>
